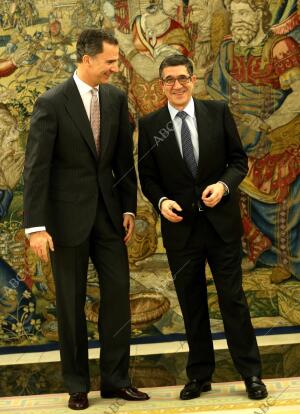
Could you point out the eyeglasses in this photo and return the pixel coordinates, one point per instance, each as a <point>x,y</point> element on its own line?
<point>182,79</point>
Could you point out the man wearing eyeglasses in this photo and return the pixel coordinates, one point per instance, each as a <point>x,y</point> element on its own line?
<point>191,162</point>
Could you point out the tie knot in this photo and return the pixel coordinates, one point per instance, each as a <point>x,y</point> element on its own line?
<point>182,114</point>
<point>94,92</point>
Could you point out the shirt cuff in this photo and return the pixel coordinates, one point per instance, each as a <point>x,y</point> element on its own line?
<point>226,192</point>
<point>161,200</point>
<point>35,229</point>
<point>129,212</point>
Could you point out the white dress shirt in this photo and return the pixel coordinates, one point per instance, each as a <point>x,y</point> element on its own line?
<point>191,122</point>
<point>85,91</point>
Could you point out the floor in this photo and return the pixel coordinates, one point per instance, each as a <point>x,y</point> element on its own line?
<point>229,397</point>
<point>151,365</point>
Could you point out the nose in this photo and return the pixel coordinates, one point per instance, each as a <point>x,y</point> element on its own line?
<point>114,68</point>
<point>177,84</point>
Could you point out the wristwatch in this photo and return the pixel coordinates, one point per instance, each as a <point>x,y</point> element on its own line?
<point>226,189</point>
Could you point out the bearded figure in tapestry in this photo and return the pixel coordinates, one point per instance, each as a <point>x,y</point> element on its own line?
<point>257,72</point>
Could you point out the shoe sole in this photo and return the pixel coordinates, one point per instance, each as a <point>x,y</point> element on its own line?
<point>205,388</point>
<point>112,394</point>
<point>78,409</point>
<point>258,398</point>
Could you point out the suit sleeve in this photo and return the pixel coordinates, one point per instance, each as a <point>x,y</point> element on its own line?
<point>148,168</point>
<point>38,157</point>
<point>237,161</point>
<point>123,165</point>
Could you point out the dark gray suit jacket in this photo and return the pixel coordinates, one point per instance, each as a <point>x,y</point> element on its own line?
<point>63,175</point>
<point>163,172</point>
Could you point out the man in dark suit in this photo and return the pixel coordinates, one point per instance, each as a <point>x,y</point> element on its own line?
<point>191,162</point>
<point>80,201</point>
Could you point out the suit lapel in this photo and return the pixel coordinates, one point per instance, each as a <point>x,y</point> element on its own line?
<point>204,127</point>
<point>76,109</point>
<point>105,117</point>
<point>170,142</point>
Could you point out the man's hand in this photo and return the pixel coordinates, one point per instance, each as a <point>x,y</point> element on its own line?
<point>213,194</point>
<point>40,241</point>
<point>128,224</point>
<point>167,208</point>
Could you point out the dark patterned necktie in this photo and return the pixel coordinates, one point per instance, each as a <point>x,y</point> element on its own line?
<point>187,146</point>
<point>95,118</point>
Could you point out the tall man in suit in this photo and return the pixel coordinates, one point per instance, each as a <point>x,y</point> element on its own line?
<point>80,201</point>
<point>191,162</point>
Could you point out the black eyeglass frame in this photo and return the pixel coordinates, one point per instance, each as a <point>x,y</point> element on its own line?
<point>182,79</point>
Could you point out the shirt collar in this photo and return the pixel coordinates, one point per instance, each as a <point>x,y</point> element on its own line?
<point>189,109</point>
<point>82,86</point>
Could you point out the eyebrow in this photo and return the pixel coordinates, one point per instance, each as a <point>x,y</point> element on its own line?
<point>173,77</point>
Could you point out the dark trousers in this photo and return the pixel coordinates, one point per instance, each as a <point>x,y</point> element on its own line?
<point>188,271</point>
<point>109,255</point>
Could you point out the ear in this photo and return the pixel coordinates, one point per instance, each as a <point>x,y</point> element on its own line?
<point>86,59</point>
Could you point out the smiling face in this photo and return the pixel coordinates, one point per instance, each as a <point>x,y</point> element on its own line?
<point>97,69</point>
<point>178,95</point>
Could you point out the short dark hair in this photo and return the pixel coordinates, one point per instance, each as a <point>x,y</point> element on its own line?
<point>90,42</point>
<point>176,60</point>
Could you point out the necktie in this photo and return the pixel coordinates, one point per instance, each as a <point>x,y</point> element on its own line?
<point>187,146</point>
<point>95,118</point>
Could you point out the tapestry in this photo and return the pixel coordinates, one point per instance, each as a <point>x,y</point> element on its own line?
<point>245,53</point>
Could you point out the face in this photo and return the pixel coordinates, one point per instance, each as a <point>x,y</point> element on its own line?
<point>200,11</point>
<point>178,95</point>
<point>245,22</point>
<point>97,69</point>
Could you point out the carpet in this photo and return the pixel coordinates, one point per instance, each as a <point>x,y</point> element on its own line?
<point>225,398</point>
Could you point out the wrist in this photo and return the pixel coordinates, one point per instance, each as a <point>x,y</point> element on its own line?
<point>161,201</point>
<point>161,204</point>
<point>225,187</point>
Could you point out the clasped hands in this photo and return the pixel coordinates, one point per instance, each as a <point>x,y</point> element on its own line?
<point>41,241</point>
<point>211,196</point>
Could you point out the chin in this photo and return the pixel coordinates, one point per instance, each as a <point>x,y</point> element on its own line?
<point>181,101</point>
<point>104,80</point>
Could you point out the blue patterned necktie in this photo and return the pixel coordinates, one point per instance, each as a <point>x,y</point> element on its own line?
<point>187,146</point>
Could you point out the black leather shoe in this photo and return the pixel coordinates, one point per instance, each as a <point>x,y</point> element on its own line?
<point>194,388</point>
<point>126,393</point>
<point>78,401</point>
<point>256,389</point>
